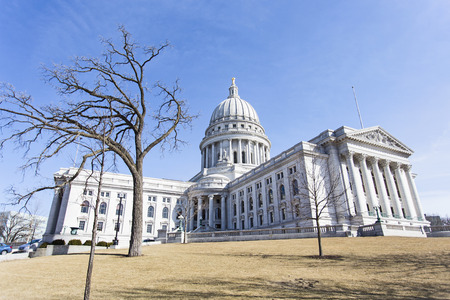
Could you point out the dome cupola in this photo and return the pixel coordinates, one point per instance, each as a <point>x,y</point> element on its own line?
<point>234,135</point>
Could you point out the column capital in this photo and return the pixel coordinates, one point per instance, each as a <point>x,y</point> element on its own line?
<point>211,196</point>
<point>396,164</point>
<point>384,162</point>
<point>406,167</point>
<point>373,160</point>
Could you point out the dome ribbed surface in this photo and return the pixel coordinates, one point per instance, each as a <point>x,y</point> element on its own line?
<point>234,109</point>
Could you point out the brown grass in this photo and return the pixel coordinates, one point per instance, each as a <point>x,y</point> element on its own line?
<point>356,268</point>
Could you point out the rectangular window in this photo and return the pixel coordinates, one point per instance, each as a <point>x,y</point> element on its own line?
<point>269,180</point>
<point>122,195</point>
<point>149,228</point>
<point>280,176</point>
<point>117,227</point>
<point>81,225</point>
<point>292,170</point>
<point>152,198</point>
<point>100,226</point>
<point>164,227</point>
<point>105,194</point>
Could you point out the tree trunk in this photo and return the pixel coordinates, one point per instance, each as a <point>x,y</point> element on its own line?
<point>87,289</point>
<point>137,222</point>
<point>319,236</point>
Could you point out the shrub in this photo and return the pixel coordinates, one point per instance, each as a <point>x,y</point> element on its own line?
<point>102,244</point>
<point>109,244</point>
<point>43,245</point>
<point>74,242</point>
<point>59,242</point>
<point>88,243</point>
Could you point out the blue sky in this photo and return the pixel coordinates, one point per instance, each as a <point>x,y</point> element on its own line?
<point>294,61</point>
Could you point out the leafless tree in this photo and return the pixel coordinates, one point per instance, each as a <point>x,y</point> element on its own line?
<point>187,214</point>
<point>17,226</point>
<point>94,89</point>
<point>318,192</point>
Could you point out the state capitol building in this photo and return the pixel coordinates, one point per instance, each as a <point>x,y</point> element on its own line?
<point>242,189</point>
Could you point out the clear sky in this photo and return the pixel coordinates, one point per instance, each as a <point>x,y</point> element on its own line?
<point>294,61</point>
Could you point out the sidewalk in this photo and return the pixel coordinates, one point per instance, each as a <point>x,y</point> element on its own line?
<point>14,256</point>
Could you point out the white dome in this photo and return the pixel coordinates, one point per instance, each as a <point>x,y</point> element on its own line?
<point>234,108</point>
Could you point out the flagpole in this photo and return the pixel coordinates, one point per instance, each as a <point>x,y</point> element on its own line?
<point>357,107</point>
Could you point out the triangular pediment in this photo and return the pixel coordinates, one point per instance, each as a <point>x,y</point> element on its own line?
<point>379,137</point>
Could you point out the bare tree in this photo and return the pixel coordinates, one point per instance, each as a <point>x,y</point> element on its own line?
<point>111,87</point>
<point>187,212</point>
<point>17,226</point>
<point>318,192</point>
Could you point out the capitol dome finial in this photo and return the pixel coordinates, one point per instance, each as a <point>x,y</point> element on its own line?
<point>233,89</point>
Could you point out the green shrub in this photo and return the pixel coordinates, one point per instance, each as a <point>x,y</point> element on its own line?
<point>88,243</point>
<point>59,242</point>
<point>74,242</point>
<point>43,245</point>
<point>109,244</point>
<point>102,244</point>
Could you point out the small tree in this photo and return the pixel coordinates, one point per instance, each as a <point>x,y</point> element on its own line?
<point>113,87</point>
<point>187,213</point>
<point>319,191</point>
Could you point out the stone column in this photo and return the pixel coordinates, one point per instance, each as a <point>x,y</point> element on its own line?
<point>223,224</point>
<point>199,211</point>
<point>207,158</point>
<point>213,155</point>
<point>203,158</point>
<point>239,157</point>
<point>384,200</point>
<point>404,191</point>
<point>247,152</point>
<point>246,209</point>
<point>230,151</point>
<point>415,194</point>
<point>358,192</point>
<point>368,183</point>
<point>257,155</point>
<point>392,188</point>
<point>264,207</point>
<point>348,191</point>
<point>334,169</point>
<point>191,215</point>
<point>211,211</point>
<point>267,153</point>
<point>276,201</point>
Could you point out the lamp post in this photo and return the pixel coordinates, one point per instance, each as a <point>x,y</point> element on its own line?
<point>377,208</point>
<point>120,212</point>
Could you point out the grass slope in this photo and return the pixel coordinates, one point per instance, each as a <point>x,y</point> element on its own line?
<point>357,268</point>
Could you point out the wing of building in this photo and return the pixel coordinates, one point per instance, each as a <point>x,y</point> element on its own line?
<point>354,177</point>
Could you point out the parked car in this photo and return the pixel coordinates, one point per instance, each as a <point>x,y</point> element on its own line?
<point>30,246</point>
<point>4,249</point>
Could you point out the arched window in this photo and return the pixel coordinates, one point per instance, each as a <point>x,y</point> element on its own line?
<point>295,187</point>
<point>119,209</point>
<point>242,206</point>
<point>270,196</point>
<point>165,213</point>
<point>260,201</point>
<point>251,203</point>
<point>282,192</point>
<point>85,207</point>
<point>234,209</point>
<point>102,209</point>
<point>150,211</point>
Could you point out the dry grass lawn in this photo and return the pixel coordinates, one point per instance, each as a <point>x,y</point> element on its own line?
<point>357,268</point>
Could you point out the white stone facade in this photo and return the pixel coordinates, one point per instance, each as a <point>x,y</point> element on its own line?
<point>240,187</point>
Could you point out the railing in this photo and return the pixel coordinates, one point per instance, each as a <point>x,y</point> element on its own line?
<point>440,228</point>
<point>275,231</point>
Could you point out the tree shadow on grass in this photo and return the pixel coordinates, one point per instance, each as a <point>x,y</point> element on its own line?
<point>299,288</point>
